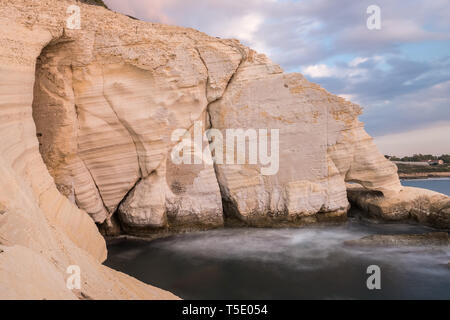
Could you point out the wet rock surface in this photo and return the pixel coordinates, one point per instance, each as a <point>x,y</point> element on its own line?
<point>414,204</point>
<point>397,240</point>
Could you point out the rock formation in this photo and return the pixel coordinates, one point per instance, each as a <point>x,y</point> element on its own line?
<point>424,206</point>
<point>108,97</point>
<point>42,232</point>
<point>395,240</point>
<point>88,120</point>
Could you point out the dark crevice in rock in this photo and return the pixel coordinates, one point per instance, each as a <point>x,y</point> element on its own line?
<point>111,227</point>
<point>229,208</point>
<point>115,225</point>
<point>208,120</point>
<point>99,3</point>
<point>85,165</point>
<point>207,72</point>
<point>95,184</point>
<point>243,59</point>
<point>82,295</point>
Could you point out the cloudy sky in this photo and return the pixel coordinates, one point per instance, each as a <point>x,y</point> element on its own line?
<point>400,74</point>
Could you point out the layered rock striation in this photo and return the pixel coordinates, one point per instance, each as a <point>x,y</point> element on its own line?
<point>42,233</point>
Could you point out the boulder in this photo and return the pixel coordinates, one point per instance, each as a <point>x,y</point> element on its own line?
<point>424,206</point>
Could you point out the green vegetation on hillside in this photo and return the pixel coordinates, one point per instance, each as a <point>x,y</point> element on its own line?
<point>405,168</point>
<point>421,157</point>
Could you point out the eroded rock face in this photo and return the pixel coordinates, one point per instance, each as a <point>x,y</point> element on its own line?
<point>109,96</point>
<point>321,145</point>
<point>42,232</point>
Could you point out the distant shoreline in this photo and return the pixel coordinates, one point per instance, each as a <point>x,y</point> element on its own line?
<point>421,170</point>
<point>423,175</point>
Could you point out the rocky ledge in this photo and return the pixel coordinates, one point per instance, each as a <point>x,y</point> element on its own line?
<point>395,240</point>
<point>424,206</point>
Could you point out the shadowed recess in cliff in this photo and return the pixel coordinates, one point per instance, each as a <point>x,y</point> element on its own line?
<point>56,118</point>
<point>106,139</point>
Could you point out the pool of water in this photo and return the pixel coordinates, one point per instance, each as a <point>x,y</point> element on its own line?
<point>289,263</point>
<point>441,185</point>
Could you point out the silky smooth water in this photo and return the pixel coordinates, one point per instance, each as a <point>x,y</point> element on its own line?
<point>288,263</point>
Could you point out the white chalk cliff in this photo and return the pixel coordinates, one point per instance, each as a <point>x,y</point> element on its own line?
<point>86,122</point>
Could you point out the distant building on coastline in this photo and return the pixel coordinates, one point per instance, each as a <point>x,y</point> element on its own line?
<point>435,162</point>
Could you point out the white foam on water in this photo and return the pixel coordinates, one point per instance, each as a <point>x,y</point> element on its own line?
<point>303,248</point>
